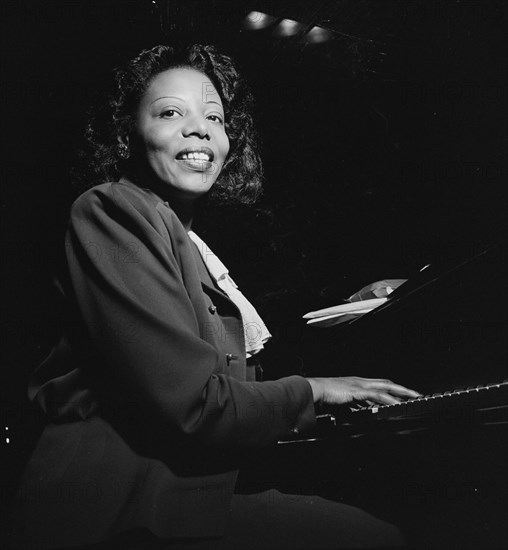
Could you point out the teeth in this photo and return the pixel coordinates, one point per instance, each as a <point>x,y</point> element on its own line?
<point>195,156</point>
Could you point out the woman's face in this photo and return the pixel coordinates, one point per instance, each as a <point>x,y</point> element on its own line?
<point>182,141</point>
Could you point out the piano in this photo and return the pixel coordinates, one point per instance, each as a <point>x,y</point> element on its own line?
<point>491,398</point>
<point>436,465</point>
<point>480,405</point>
<point>443,333</point>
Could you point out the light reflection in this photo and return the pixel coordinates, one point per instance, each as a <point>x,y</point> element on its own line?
<point>256,20</point>
<point>288,27</point>
<point>317,35</point>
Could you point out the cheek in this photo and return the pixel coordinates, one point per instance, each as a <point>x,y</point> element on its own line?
<point>153,137</point>
<point>156,157</point>
<point>157,148</point>
<point>225,146</point>
<point>158,142</point>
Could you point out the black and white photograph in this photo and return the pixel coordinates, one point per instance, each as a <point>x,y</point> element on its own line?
<point>254,275</point>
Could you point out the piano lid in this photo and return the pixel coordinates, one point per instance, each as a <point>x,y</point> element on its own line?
<point>445,328</point>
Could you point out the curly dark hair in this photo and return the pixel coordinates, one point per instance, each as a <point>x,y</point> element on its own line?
<point>240,180</point>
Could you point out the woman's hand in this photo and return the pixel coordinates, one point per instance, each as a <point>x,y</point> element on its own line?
<point>338,391</point>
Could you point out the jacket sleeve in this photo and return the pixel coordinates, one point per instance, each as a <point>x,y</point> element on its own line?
<point>130,293</point>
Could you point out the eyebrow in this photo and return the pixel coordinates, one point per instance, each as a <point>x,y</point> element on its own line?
<point>180,99</point>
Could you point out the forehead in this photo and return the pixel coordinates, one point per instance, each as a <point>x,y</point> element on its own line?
<point>185,83</point>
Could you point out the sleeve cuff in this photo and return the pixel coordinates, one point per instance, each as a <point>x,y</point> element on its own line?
<point>304,421</point>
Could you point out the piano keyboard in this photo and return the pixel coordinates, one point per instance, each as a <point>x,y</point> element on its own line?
<point>484,405</point>
<point>492,395</point>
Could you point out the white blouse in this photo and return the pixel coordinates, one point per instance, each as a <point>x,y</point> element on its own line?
<point>256,333</point>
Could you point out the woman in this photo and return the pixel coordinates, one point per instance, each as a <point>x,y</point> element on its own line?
<point>151,394</point>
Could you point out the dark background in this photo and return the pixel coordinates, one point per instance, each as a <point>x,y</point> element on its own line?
<point>384,150</point>
<point>384,147</point>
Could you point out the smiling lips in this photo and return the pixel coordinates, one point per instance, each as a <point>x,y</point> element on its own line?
<point>196,153</point>
<point>196,158</point>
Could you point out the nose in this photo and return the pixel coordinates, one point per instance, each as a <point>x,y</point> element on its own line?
<point>196,126</point>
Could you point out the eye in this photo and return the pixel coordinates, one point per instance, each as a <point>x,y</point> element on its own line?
<point>216,118</point>
<point>169,113</point>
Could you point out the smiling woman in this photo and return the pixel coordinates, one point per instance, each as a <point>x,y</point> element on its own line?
<point>180,140</point>
<point>219,92</point>
<point>151,395</point>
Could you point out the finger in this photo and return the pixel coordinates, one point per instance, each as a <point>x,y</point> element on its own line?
<point>402,391</point>
<point>382,398</point>
<point>372,382</point>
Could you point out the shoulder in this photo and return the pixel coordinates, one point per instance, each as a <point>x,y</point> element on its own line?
<point>123,202</point>
<point>119,194</point>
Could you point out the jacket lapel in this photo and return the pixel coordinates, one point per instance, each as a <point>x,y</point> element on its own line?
<point>208,284</point>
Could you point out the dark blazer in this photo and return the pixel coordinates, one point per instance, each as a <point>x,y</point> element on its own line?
<point>149,398</point>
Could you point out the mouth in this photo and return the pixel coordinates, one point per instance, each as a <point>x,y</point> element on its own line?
<point>198,159</point>
<point>196,154</point>
<point>196,165</point>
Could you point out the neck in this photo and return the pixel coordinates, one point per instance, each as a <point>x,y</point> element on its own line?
<point>184,209</point>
